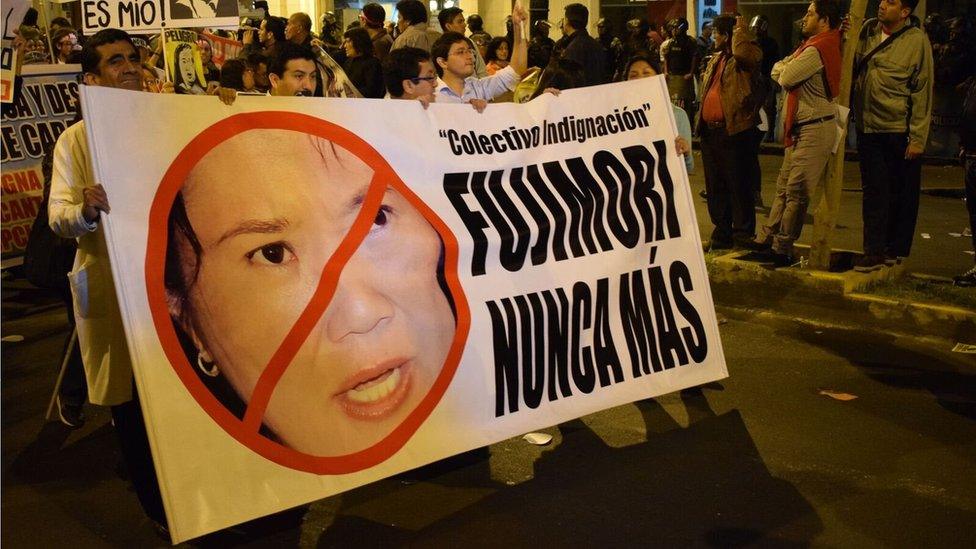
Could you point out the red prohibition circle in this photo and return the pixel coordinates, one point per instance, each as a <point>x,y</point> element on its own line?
<point>247,430</point>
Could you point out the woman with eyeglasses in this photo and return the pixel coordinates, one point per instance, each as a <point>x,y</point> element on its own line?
<point>362,68</point>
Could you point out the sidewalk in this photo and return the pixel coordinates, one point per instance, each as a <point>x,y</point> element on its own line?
<point>916,297</point>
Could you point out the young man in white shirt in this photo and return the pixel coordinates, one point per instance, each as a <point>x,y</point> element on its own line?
<point>453,56</point>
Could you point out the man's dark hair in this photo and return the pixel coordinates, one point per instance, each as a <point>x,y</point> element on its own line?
<point>723,24</point>
<point>285,52</point>
<point>476,23</point>
<point>261,4</point>
<point>577,16</point>
<point>402,64</point>
<point>255,59</point>
<point>232,74</point>
<point>303,20</point>
<point>375,15</point>
<point>361,41</point>
<point>910,4</point>
<point>276,26</point>
<point>90,58</point>
<point>562,74</point>
<point>442,48</point>
<point>448,15</point>
<point>830,9</point>
<point>412,10</point>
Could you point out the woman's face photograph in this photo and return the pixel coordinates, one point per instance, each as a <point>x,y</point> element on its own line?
<point>266,229</point>
<point>186,67</point>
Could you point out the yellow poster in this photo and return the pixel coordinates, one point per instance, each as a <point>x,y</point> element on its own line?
<point>183,62</point>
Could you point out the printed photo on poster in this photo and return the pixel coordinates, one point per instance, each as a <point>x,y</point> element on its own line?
<point>373,354</point>
<point>181,10</point>
<point>184,62</point>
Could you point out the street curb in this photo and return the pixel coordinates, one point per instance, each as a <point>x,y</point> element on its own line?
<point>838,298</point>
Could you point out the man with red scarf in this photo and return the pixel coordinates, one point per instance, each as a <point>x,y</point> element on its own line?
<point>811,78</point>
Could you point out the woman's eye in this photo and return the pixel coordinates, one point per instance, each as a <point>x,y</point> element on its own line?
<point>382,216</point>
<point>272,254</point>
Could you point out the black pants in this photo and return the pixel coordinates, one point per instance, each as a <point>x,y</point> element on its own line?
<point>728,161</point>
<point>134,443</point>
<point>891,186</point>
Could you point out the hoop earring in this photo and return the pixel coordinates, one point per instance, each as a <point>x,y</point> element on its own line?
<point>209,371</point>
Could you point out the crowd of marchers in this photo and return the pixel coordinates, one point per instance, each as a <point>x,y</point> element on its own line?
<point>723,85</point>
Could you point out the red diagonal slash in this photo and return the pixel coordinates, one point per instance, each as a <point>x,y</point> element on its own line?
<point>247,431</point>
<point>316,306</point>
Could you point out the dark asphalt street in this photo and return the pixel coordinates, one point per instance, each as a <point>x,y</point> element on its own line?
<point>762,458</point>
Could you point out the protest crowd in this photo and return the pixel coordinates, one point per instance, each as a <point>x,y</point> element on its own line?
<point>733,88</point>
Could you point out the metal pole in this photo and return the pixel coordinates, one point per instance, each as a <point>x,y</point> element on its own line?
<point>47,29</point>
<point>64,366</point>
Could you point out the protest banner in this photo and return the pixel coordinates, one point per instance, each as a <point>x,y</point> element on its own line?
<point>43,107</point>
<point>184,63</point>
<point>315,298</point>
<point>13,13</point>
<point>144,16</point>
<point>223,48</point>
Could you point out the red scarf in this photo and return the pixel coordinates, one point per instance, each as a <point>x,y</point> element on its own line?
<point>828,45</point>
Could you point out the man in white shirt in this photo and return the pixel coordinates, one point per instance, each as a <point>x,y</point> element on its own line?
<point>453,56</point>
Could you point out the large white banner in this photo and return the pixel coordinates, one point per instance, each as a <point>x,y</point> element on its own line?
<point>321,293</point>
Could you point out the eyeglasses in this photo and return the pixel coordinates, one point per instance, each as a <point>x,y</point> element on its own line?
<point>420,79</point>
<point>464,52</point>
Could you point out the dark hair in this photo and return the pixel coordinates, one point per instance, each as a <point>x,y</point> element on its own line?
<point>442,48</point>
<point>276,26</point>
<point>255,59</point>
<point>285,52</point>
<point>830,9</point>
<point>232,74</point>
<point>375,15</point>
<point>412,10</point>
<point>303,20</point>
<point>491,53</point>
<point>653,60</point>
<point>60,22</point>
<point>476,23</point>
<point>724,24</point>
<point>402,64</point>
<point>562,74</point>
<point>447,15</point>
<point>577,16</point>
<point>910,4</point>
<point>361,42</point>
<point>90,58</point>
<point>60,34</point>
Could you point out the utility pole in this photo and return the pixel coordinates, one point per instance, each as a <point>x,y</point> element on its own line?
<point>825,217</point>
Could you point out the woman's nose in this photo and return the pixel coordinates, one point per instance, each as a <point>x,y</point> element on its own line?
<point>359,305</point>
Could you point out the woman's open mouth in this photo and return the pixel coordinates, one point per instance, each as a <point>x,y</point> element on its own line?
<point>377,392</point>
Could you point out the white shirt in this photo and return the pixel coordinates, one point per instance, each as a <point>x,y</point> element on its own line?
<point>486,88</point>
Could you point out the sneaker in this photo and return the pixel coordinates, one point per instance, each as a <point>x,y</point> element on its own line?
<point>71,415</point>
<point>756,246</point>
<point>770,257</point>
<point>869,263</point>
<point>966,279</point>
<point>892,260</point>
